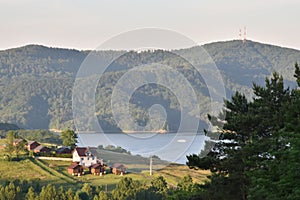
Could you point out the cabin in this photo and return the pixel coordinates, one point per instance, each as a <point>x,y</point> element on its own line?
<point>2,146</point>
<point>18,141</point>
<point>41,149</point>
<point>31,145</point>
<point>84,156</point>
<point>63,150</point>
<point>75,169</point>
<point>118,169</point>
<point>97,169</point>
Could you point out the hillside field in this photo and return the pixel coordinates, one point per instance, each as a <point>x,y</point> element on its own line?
<point>55,172</point>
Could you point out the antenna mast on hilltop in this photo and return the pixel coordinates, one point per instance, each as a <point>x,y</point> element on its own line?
<point>245,35</point>
<point>240,34</point>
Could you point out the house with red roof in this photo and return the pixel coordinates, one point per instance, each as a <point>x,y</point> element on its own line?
<point>118,169</point>
<point>84,156</point>
<point>75,169</point>
<point>41,149</point>
<point>31,145</point>
<point>97,169</point>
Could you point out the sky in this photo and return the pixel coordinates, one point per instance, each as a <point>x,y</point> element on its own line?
<point>85,24</point>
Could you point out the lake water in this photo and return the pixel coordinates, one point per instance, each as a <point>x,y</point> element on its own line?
<point>172,147</point>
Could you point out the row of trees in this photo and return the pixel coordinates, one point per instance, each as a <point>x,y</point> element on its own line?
<point>257,156</point>
<point>13,150</point>
<point>126,189</point>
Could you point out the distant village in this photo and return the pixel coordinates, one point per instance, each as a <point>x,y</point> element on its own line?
<point>85,157</point>
<point>82,159</point>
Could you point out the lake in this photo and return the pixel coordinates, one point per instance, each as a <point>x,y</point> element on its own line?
<point>172,147</point>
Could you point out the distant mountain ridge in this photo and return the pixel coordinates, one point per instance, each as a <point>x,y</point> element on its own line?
<point>36,81</point>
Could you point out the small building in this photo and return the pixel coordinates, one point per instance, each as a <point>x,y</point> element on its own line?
<point>2,137</point>
<point>41,149</point>
<point>97,169</point>
<point>84,156</point>
<point>31,145</point>
<point>118,169</point>
<point>75,169</point>
<point>18,141</point>
<point>63,150</point>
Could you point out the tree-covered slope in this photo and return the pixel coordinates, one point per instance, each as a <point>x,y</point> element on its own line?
<point>36,82</point>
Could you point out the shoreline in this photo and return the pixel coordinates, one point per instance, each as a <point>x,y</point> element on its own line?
<point>55,130</point>
<point>125,131</point>
<point>133,132</point>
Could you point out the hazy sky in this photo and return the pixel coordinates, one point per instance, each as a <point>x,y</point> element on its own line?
<point>85,24</point>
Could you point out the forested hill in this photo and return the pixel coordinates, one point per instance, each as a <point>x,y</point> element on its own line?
<point>36,81</point>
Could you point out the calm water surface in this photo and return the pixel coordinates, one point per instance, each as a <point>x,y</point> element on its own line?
<point>171,146</point>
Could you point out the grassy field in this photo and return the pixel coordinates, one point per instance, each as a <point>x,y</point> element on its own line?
<point>172,173</point>
<point>30,170</point>
<point>110,157</point>
<point>55,172</point>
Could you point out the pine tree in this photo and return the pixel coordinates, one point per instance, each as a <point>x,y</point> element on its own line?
<point>48,193</point>
<point>2,193</point>
<point>31,194</point>
<point>126,189</point>
<point>186,184</point>
<point>103,196</point>
<point>86,188</point>
<point>246,139</point>
<point>159,185</point>
<point>10,192</point>
<point>9,147</point>
<point>62,193</point>
<point>69,194</point>
<point>297,74</point>
<point>77,196</point>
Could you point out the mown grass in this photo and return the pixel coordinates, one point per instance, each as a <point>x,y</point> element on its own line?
<point>172,173</point>
<point>28,170</point>
<point>111,157</point>
<point>55,172</point>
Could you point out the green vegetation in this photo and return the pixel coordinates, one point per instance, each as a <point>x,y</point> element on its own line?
<point>69,138</point>
<point>27,170</point>
<point>36,82</point>
<point>126,188</point>
<point>114,149</point>
<point>12,149</point>
<point>257,155</point>
<point>7,127</point>
<point>42,136</point>
<point>44,178</point>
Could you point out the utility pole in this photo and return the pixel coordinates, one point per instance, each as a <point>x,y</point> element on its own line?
<point>150,165</point>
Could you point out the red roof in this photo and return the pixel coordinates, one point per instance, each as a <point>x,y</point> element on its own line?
<point>118,166</point>
<point>39,148</point>
<point>73,165</point>
<point>17,141</point>
<point>82,151</point>
<point>94,166</point>
<point>31,142</point>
